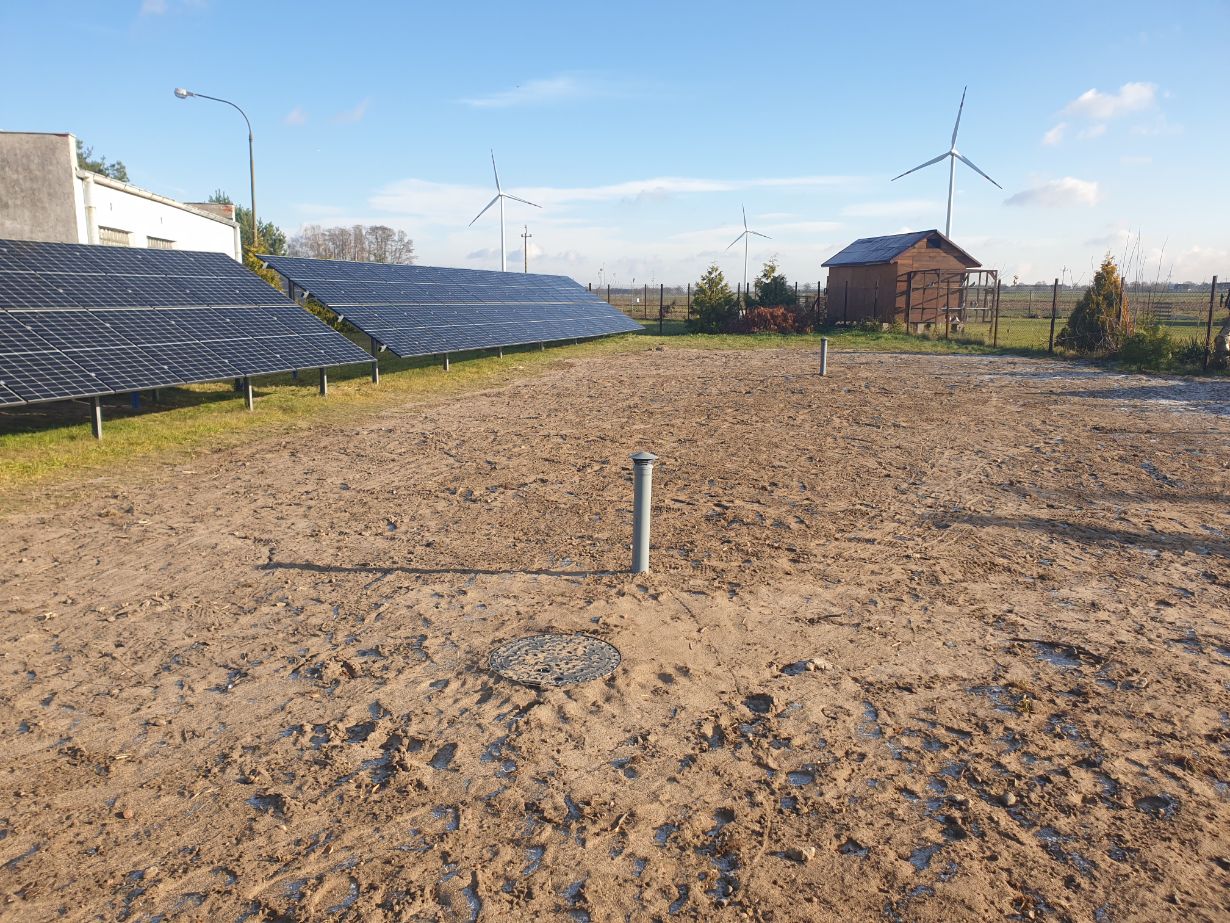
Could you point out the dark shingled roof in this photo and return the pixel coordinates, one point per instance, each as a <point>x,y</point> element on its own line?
<point>869,250</point>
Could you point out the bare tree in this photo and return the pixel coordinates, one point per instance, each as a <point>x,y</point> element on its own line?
<point>377,243</point>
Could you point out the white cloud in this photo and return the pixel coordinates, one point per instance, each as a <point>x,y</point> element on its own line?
<point>153,7</point>
<point>540,92</point>
<point>1055,135</point>
<point>1098,106</point>
<point>899,208</point>
<point>1058,193</point>
<point>296,116</point>
<point>443,201</point>
<point>1093,131</point>
<point>352,116</point>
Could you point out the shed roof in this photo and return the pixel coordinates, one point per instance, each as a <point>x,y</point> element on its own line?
<point>870,250</point>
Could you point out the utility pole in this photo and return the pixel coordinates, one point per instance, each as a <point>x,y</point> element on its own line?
<point>525,247</point>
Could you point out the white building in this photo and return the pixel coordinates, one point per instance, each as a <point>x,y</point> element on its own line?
<point>45,195</point>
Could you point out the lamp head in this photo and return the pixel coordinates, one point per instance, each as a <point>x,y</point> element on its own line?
<point>182,93</point>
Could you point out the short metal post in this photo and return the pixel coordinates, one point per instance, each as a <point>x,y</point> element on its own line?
<point>446,362</point>
<point>247,393</point>
<point>542,347</point>
<point>375,351</point>
<point>824,356</point>
<point>324,383</point>
<point>294,374</point>
<point>135,400</point>
<point>153,395</point>
<point>499,351</point>
<point>642,475</point>
<point>96,418</point>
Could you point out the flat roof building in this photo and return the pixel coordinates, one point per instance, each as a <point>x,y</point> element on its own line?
<point>46,196</point>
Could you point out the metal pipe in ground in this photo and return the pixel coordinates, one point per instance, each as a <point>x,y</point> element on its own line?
<point>642,477</point>
<point>824,356</point>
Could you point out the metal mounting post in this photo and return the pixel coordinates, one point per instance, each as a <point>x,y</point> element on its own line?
<point>375,361</point>
<point>446,364</point>
<point>96,418</point>
<point>247,393</point>
<point>642,475</point>
<point>824,356</point>
<point>324,382</point>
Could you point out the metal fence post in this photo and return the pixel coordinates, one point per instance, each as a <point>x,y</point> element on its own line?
<point>1208,332</point>
<point>1050,346</point>
<point>642,474</point>
<point>995,315</point>
<point>689,301</point>
<point>661,305</point>
<point>824,356</point>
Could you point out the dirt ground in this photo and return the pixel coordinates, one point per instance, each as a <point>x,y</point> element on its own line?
<point>933,638</point>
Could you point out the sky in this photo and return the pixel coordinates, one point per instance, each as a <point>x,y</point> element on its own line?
<point>643,129</point>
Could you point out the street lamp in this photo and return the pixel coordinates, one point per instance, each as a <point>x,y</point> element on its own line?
<point>181,93</point>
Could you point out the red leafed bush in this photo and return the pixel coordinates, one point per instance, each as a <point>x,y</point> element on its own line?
<point>772,320</point>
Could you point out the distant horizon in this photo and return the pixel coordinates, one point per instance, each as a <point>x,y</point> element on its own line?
<point>642,140</point>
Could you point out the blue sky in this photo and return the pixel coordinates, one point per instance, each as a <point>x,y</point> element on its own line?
<point>642,128</point>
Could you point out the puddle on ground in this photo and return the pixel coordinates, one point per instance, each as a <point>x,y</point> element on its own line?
<point>1161,806</point>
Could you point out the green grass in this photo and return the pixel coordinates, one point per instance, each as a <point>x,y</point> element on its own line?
<point>1033,332</point>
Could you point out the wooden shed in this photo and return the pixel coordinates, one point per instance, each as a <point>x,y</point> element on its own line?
<point>920,277</point>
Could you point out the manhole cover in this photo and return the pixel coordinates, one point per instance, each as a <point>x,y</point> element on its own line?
<point>554,660</point>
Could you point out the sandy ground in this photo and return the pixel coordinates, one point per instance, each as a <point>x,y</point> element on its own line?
<point>254,687</point>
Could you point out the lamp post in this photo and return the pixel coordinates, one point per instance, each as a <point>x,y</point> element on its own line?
<point>181,93</point>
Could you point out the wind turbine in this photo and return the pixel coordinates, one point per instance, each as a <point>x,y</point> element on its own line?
<point>954,155</point>
<point>747,233</point>
<point>500,196</point>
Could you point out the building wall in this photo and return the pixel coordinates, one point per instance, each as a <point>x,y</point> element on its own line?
<point>36,187</point>
<point>865,292</point>
<point>119,207</point>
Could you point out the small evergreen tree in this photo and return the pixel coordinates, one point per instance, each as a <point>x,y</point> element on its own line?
<point>87,161</point>
<point>772,289</point>
<point>1099,323</point>
<point>713,303</point>
<point>273,238</point>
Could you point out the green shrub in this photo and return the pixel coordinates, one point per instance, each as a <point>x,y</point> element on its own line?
<point>714,307</point>
<point>1147,348</point>
<point>1099,323</point>
<point>1190,351</point>
<point>771,320</point>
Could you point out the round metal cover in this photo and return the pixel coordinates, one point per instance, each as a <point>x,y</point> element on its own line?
<point>554,660</point>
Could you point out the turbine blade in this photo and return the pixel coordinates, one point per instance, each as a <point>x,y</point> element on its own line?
<point>522,201</point>
<point>495,172</point>
<point>484,211</point>
<point>736,240</point>
<point>744,207</point>
<point>758,234</point>
<point>958,122</point>
<point>920,166</point>
<point>969,163</point>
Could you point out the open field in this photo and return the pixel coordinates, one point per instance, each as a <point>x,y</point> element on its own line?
<point>252,684</point>
<point>50,443</point>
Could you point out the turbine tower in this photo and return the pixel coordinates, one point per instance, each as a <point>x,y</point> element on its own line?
<point>500,196</point>
<point>747,233</point>
<point>953,156</point>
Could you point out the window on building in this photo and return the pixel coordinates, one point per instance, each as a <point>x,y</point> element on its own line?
<point>934,243</point>
<point>160,243</point>
<point>114,237</point>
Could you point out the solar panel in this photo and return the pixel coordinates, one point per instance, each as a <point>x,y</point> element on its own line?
<point>427,310</point>
<point>83,321</point>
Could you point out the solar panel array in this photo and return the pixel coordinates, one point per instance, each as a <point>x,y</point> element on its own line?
<point>84,321</point>
<point>428,310</point>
